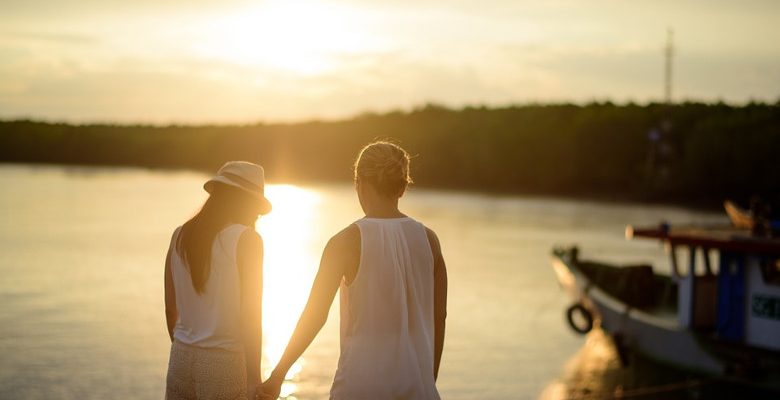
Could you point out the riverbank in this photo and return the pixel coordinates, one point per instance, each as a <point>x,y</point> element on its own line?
<point>690,154</point>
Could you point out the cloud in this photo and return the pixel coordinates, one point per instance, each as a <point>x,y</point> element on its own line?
<point>50,37</point>
<point>134,67</point>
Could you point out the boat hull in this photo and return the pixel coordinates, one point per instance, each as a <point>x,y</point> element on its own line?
<point>657,337</point>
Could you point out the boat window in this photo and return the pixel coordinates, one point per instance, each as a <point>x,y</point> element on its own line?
<point>770,269</point>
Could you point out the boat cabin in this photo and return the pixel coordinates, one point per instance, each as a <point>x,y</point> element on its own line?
<point>740,300</point>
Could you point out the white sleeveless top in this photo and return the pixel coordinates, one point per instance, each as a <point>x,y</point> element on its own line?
<point>387,327</point>
<point>210,319</point>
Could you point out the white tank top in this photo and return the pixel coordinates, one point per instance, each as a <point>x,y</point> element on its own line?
<point>210,319</point>
<point>387,327</point>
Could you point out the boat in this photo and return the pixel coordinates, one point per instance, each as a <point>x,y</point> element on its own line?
<point>717,317</point>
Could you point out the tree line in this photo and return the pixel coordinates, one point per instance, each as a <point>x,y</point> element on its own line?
<point>690,152</point>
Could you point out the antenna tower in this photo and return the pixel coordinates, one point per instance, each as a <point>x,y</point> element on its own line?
<point>669,53</point>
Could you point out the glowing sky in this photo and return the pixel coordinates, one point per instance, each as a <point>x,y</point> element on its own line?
<point>195,61</point>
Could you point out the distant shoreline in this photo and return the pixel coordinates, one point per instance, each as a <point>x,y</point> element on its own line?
<point>693,154</point>
<point>381,113</point>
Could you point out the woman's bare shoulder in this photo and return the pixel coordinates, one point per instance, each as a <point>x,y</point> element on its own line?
<point>250,241</point>
<point>342,253</point>
<point>346,238</point>
<point>433,239</point>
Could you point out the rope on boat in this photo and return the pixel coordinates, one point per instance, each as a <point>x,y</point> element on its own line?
<point>640,392</point>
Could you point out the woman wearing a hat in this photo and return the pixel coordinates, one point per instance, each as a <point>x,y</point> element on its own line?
<point>213,290</point>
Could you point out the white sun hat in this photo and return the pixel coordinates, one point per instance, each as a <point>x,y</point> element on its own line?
<point>243,175</point>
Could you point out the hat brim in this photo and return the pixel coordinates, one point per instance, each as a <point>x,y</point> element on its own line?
<point>265,204</point>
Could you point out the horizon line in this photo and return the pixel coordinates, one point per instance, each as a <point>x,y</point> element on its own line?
<point>374,113</point>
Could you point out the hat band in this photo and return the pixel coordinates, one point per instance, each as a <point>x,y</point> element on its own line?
<point>244,183</point>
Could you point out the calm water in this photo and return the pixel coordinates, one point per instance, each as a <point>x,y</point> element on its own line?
<point>81,267</point>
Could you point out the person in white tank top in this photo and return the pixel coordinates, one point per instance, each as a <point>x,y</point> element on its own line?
<point>393,283</point>
<point>213,291</point>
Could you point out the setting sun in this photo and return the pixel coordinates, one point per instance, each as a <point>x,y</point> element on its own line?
<point>303,37</point>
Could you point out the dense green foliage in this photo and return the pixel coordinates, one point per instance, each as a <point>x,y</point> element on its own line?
<point>707,152</point>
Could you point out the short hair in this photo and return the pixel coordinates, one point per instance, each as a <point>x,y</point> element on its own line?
<point>384,165</point>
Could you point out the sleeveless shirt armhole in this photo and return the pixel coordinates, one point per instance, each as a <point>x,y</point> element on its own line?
<point>360,256</point>
<point>428,239</point>
<point>244,229</point>
<point>235,251</point>
<point>174,242</point>
<point>232,250</point>
<point>173,252</point>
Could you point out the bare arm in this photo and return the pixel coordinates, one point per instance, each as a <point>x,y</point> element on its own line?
<point>439,300</point>
<point>335,259</point>
<point>171,312</point>
<point>250,267</point>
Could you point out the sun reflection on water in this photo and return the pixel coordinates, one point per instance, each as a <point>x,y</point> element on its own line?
<point>289,267</point>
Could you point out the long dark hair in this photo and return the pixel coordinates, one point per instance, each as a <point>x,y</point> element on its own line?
<point>225,206</point>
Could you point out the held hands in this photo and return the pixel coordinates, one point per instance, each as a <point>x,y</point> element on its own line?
<point>269,390</point>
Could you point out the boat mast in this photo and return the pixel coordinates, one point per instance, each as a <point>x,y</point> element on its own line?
<point>662,146</point>
<point>669,54</point>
